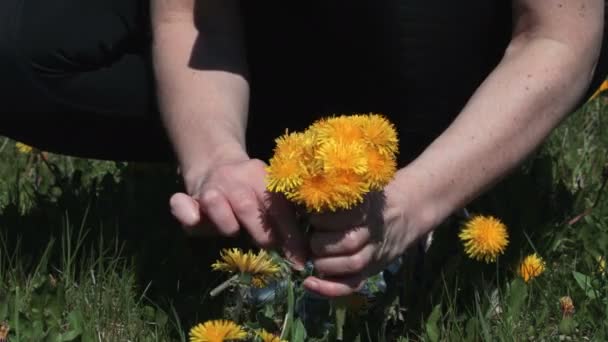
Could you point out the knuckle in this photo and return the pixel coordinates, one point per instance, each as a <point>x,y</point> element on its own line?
<point>244,201</point>
<point>350,243</point>
<point>355,263</point>
<point>257,163</point>
<point>210,197</point>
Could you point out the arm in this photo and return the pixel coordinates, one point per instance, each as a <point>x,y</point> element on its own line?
<point>203,108</point>
<point>544,72</point>
<point>546,69</point>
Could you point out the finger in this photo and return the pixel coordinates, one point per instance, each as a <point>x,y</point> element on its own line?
<point>332,243</point>
<point>185,209</point>
<point>337,287</point>
<point>289,232</point>
<point>215,206</point>
<point>341,219</point>
<point>249,212</point>
<point>345,265</point>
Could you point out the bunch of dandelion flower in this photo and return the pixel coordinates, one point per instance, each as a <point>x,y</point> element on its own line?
<point>484,237</point>
<point>335,162</point>
<point>23,148</point>
<point>217,331</point>
<point>265,336</point>
<point>260,266</point>
<point>566,305</point>
<point>531,267</point>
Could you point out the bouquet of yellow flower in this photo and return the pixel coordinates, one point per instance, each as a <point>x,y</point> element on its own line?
<point>335,162</point>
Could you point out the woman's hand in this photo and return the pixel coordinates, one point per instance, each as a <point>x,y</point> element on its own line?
<point>349,246</point>
<point>543,74</point>
<point>232,195</point>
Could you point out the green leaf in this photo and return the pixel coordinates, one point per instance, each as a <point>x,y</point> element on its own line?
<point>567,326</point>
<point>471,329</point>
<point>299,331</point>
<point>3,309</point>
<point>340,315</point>
<point>161,318</point>
<point>585,284</point>
<point>518,293</point>
<point>485,329</point>
<point>76,323</point>
<point>290,311</point>
<point>432,324</point>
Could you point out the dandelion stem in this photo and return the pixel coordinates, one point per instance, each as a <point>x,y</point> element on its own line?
<point>239,304</point>
<point>221,287</point>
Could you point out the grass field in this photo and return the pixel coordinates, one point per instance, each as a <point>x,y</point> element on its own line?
<point>89,252</point>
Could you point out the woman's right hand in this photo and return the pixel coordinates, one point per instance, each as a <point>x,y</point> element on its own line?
<point>232,195</point>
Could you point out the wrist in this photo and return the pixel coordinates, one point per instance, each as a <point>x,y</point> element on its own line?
<point>424,208</point>
<point>199,164</point>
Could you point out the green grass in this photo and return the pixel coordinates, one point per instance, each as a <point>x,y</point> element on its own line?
<point>89,252</point>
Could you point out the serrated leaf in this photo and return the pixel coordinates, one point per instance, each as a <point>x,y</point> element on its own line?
<point>518,293</point>
<point>584,282</point>
<point>432,326</point>
<point>299,331</point>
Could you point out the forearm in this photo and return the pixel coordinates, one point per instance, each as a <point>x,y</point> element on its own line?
<point>203,105</point>
<point>534,87</point>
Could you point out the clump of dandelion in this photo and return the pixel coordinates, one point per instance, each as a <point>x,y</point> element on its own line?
<point>484,237</point>
<point>531,267</point>
<point>566,305</point>
<point>260,266</point>
<point>265,336</point>
<point>217,331</point>
<point>23,148</point>
<point>335,162</point>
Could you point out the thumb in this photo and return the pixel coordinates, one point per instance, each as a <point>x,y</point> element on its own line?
<point>291,235</point>
<point>185,209</point>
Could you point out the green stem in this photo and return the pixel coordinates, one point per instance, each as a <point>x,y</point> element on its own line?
<point>221,287</point>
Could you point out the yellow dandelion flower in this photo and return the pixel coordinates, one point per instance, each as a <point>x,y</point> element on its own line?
<point>259,281</point>
<point>290,144</point>
<point>603,87</point>
<point>348,189</point>
<point>337,156</point>
<point>265,336</point>
<point>284,173</point>
<point>217,331</point>
<point>484,237</point>
<point>566,305</point>
<point>531,267</point>
<point>380,134</point>
<point>23,148</point>
<point>260,266</point>
<point>345,129</point>
<point>381,169</point>
<point>315,193</point>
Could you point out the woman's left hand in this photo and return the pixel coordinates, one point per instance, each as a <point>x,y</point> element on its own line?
<point>351,245</point>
